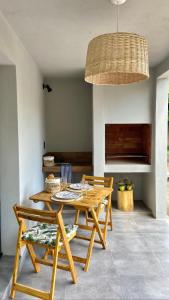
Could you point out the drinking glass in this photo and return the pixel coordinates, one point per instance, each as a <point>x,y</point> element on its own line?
<point>63,183</point>
<point>84,191</point>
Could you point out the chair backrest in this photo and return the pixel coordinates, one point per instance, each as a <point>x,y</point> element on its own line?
<point>102,181</point>
<point>38,215</point>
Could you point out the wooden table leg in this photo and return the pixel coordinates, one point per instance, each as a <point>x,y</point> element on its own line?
<point>106,222</point>
<point>108,215</point>
<point>96,222</point>
<point>77,217</point>
<point>96,228</point>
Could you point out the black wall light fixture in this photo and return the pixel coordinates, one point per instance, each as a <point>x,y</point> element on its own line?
<point>46,86</point>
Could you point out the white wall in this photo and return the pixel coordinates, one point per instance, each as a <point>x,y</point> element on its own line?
<point>31,124</point>
<point>157,180</point>
<point>30,118</point>
<point>119,105</point>
<point>128,104</point>
<point>68,115</point>
<point>160,170</point>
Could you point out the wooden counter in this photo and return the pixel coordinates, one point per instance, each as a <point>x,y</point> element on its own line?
<point>75,169</point>
<point>81,162</point>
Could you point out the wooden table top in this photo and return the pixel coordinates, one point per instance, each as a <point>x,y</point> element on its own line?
<point>90,200</point>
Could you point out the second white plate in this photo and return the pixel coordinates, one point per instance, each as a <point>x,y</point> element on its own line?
<point>66,195</point>
<point>80,186</point>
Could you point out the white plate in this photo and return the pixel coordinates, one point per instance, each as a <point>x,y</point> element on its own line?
<point>66,195</point>
<point>80,186</point>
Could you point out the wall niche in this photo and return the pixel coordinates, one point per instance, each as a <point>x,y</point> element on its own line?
<point>128,143</point>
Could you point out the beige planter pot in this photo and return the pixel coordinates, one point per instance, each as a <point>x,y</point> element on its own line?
<point>125,200</point>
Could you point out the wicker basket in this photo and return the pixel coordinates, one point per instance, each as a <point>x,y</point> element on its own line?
<point>52,185</point>
<point>48,161</point>
<point>117,58</point>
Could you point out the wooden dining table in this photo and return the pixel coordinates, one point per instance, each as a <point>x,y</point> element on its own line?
<point>90,201</point>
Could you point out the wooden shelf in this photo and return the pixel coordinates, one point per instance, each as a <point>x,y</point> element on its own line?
<point>81,162</point>
<point>75,169</point>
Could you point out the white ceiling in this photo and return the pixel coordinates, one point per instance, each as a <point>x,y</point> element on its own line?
<point>57,32</point>
<point>4,60</point>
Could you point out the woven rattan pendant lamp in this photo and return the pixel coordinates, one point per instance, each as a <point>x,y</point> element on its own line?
<point>117,58</point>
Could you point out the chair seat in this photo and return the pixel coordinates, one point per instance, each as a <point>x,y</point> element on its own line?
<point>45,234</point>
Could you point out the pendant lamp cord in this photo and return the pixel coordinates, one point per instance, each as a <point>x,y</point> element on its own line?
<point>117,18</point>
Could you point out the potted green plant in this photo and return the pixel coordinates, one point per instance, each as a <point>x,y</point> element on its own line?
<point>121,185</point>
<point>129,185</point>
<point>125,195</point>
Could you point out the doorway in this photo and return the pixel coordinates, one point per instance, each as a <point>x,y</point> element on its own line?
<point>168,162</point>
<point>9,161</point>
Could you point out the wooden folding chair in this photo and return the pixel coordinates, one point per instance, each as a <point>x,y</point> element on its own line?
<point>106,203</point>
<point>49,233</point>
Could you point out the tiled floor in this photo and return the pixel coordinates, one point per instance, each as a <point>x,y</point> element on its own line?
<point>134,266</point>
<point>168,186</point>
<point>6,266</point>
<point>168,197</point>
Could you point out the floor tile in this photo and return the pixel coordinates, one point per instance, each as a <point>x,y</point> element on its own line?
<point>157,242</point>
<point>153,226</point>
<point>163,258</point>
<point>95,287</point>
<point>137,264</point>
<point>145,288</point>
<point>124,225</point>
<point>127,243</point>
<point>6,267</point>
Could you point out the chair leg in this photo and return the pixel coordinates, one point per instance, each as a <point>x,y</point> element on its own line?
<point>86,216</point>
<point>111,219</point>
<point>45,256</point>
<point>15,272</point>
<point>33,258</point>
<point>67,249</point>
<point>16,263</point>
<point>90,248</point>
<point>55,261</point>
